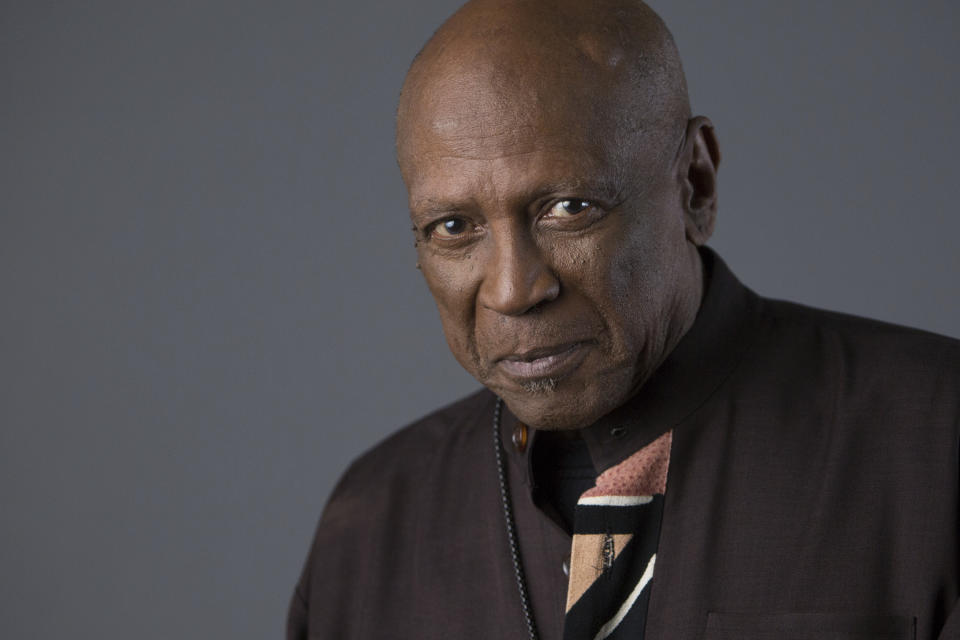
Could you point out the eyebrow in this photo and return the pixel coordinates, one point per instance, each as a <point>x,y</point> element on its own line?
<point>431,207</point>
<point>608,189</point>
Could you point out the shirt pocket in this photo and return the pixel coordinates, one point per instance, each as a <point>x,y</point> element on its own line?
<point>808,626</point>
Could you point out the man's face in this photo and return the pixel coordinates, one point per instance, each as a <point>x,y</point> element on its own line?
<point>552,238</point>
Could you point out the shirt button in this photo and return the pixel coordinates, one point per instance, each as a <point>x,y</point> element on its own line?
<point>618,432</point>
<point>519,437</point>
<point>566,566</point>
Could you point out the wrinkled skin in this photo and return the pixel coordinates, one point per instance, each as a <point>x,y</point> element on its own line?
<point>558,203</point>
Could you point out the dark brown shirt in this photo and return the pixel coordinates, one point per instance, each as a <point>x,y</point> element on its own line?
<point>812,493</point>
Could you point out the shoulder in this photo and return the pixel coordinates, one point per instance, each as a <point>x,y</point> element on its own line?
<point>371,533</point>
<point>875,339</point>
<point>409,457</point>
<point>882,364</point>
<point>379,500</point>
<point>408,448</point>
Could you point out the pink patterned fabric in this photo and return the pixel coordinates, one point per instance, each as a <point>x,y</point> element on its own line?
<point>642,474</point>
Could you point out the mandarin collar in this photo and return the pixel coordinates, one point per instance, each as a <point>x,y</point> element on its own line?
<point>708,353</point>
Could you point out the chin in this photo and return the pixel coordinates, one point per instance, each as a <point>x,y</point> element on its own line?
<point>546,404</point>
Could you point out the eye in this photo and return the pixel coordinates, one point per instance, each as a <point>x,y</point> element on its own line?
<point>449,228</point>
<point>568,208</point>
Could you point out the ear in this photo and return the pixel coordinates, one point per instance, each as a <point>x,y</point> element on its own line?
<point>699,160</point>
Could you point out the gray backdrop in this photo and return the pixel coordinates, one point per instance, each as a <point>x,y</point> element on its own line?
<point>209,300</point>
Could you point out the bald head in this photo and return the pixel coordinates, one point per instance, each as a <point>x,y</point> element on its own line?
<point>500,65</point>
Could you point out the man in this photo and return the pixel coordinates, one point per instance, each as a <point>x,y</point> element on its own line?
<point>673,456</point>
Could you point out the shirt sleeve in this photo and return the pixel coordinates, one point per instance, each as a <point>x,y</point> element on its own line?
<point>297,616</point>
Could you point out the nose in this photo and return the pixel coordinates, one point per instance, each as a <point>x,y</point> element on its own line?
<point>517,277</point>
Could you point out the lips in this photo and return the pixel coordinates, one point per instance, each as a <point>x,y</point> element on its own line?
<point>543,362</point>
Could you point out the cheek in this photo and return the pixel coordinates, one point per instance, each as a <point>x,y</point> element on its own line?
<point>653,241</point>
<point>453,285</point>
<point>639,273</point>
<point>632,278</point>
<point>610,267</point>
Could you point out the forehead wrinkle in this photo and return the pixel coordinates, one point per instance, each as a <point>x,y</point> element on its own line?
<point>584,119</point>
<point>479,96</point>
<point>480,144</point>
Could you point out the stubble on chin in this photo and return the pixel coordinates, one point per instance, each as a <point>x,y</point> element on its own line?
<point>540,386</point>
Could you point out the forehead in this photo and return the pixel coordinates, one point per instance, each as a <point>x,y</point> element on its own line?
<point>512,131</point>
<point>488,95</point>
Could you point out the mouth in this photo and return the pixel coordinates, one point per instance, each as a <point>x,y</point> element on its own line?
<point>548,362</point>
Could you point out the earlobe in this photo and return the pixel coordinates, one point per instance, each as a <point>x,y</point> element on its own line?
<point>701,159</point>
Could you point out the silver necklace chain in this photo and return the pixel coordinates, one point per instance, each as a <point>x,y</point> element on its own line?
<point>511,527</point>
